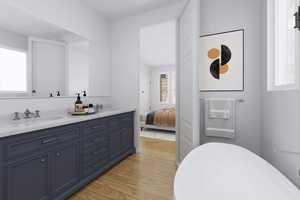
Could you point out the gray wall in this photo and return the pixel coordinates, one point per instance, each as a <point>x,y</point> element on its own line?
<point>219,16</point>
<point>280,123</point>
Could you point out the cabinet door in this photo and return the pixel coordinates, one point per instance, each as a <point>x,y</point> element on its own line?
<point>29,179</point>
<point>65,170</point>
<point>115,143</point>
<point>126,139</point>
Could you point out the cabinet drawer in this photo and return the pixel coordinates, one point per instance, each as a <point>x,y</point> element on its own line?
<point>92,142</point>
<point>121,121</point>
<point>95,127</point>
<point>95,154</point>
<point>95,166</point>
<point>39,140</point>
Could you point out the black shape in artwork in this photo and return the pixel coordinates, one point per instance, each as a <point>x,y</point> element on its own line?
<point>215,69</point>
<point>225,54</point>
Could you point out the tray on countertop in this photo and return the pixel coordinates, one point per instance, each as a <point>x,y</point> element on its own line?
<point>81,113</point>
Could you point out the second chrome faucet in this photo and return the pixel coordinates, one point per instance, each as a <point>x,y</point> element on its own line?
<point>27,115</point>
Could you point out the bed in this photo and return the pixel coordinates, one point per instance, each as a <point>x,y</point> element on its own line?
<point>164,119</point>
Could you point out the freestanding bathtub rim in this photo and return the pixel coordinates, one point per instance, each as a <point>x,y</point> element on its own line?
<point>218,171</point>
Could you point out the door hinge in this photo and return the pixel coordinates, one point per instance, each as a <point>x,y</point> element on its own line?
<point>297,19</point>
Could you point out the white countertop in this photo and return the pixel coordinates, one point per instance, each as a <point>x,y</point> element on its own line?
<point>11,128</point>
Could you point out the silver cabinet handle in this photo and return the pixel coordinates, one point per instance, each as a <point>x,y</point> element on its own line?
<point>49,141</point>
<point>97,140</point>
<point>43,160</point>
<point>58,154</point>
<point>98,152</point>
<point>98,127</point>
<point>95,165</point>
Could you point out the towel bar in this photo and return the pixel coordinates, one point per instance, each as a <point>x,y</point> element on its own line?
<point>238,100</point>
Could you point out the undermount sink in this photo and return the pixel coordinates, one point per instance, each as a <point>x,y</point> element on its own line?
<point>30,121</point>
<point>46,119</point>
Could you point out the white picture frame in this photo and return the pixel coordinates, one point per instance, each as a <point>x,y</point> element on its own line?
<point>222,61</point>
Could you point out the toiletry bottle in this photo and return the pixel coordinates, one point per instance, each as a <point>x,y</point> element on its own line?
<point>91,109</point>
<point>78,104</point>
<point>85,102</point>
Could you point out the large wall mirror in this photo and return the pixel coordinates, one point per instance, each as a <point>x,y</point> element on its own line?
<point>39,60</point>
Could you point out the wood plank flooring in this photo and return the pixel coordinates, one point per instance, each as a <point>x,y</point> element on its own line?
<point>147,175</point>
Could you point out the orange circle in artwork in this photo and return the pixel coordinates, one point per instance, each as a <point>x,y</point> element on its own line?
<point>224,69</point>
<point>213,53</point>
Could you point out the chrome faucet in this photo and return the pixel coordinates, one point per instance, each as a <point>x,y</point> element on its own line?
<point>16,116</point>
<point>27,114</point>
<point>37,114</point>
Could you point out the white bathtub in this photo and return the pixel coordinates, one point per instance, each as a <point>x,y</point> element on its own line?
<point>218,171</point>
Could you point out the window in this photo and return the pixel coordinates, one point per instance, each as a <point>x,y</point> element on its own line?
<point>283,45</point>
<point>164,88</point>
<point>13,76</point>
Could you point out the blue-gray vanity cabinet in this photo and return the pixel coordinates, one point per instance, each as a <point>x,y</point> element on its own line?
<point>121,134</point>
<point>126,132</point>
<point>28,179</point>
<point>126,139</point>
<point>54,163</point>
<point>65,167</point>
<point>26,144</point>
<point>115,143</point>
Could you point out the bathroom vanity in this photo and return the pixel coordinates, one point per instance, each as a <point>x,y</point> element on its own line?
<point>54,162</point>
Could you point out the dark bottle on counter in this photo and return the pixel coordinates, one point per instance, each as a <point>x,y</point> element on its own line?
<point>78,104</point>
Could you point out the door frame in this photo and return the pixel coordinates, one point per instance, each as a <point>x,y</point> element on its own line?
<point>177,65</point>
<point>137,120</point>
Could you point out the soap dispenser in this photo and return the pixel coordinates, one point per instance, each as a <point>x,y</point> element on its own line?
<point>78,104</point>
<point>85,102</point>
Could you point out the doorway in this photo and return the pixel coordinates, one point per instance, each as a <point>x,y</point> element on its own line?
<point>157,85</point>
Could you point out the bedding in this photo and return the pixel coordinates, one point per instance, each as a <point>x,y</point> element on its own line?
<point>163,118</point>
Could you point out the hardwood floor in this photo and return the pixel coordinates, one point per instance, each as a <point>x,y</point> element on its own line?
<point>147,175</point>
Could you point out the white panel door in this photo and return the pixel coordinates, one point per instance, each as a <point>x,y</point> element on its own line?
<point>188,104</point>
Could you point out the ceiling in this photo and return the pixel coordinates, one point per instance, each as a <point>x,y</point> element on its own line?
<point>15,20</point>
<point>114,9</point>
<point>158,44</point>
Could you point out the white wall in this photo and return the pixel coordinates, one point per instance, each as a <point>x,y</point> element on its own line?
<point>100,69</point>
<point>145,79</point>
<point>9,106</point>
<point>155,87</point>
<point>13,40</point>
<point>158,44</point>
<point>150,87</point>
<point>157,54</point>
<point>280,121</point>
<point>219,16</point>
<point>73,16</point>
<point>125,52</point>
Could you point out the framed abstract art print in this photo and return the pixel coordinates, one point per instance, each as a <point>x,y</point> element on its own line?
<point>222,61</point>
